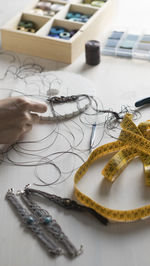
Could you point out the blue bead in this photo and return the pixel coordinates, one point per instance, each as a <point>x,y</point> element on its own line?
<point>78,19</point>
<point>84,20</point>
<point>47,220</point>
<point>77,15</point>
<point>55,36</point>
<point>65,35</point>
<point>30,220</point>
<point>84,16</point>
<point>69,15</point>
<point>72,19</point>
<point>56,31</point>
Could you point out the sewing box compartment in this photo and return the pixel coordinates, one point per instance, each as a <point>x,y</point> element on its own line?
<point>40,38</point>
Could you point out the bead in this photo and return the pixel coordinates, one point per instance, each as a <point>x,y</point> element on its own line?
<point>43,5</point>
<point>25,29</point>
<point>84,20</point>
<point>61,236</point>
<point>67,201</point>
<point>54,36</point>
<point>65,35</point>
<point>36,11</point>
<point>47,220</point>
<point>30,220</point>
<point>69,15</point>
<point>56,229</point>
<point>26,25</point>
<point>56,31</point>
<point>85,16</point>
<point>49,13</point>
<point>62,33</point>
<point>72,32</point>
<point>71,19</point>
<point>56,7</point>
<point>77,15</point>
<point>76,19</point>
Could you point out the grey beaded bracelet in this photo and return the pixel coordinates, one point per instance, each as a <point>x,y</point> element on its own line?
<point>32,224</point>
<point>50,225</point>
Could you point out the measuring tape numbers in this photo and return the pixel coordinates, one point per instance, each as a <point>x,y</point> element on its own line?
<point>133,142</point>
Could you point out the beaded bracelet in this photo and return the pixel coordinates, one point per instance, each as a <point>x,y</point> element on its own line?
<point>66,203</point>
<point>66,99</point>
<point>32,224</point>
<point>50,225</point>
<point>39,221</point>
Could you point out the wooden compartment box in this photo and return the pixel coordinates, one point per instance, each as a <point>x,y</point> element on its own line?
<point>42,45</point>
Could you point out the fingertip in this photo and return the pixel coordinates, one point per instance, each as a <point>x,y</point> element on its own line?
<point>37,107</point>
<point>40,107</point>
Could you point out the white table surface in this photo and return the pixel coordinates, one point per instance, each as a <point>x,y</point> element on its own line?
<point>117,82</point>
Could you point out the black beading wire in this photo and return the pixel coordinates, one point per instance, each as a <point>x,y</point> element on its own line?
<point>107,122</point>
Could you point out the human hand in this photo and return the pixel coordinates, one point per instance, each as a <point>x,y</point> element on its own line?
<point>16,117</point>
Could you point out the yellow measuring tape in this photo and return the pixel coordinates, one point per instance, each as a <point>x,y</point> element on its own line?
<point>133,142</point>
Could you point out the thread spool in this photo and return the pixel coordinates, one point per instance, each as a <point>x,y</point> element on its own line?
<point>92,52</point>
